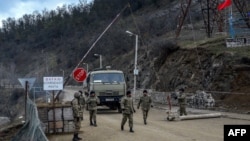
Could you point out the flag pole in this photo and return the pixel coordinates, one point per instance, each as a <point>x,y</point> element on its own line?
<point>231,29</point>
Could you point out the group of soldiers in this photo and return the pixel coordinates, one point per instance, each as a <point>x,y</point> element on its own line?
<point>127,106</point>
<point>78,106</point>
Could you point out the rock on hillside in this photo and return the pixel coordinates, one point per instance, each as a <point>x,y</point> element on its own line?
<point>210,67</point>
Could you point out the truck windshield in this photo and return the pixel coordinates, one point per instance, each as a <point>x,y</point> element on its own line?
<point>108,78</point>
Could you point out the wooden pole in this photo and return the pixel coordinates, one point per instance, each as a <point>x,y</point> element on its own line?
<point>169,102</point>
<point>26,96</point>
<point>54,113</point>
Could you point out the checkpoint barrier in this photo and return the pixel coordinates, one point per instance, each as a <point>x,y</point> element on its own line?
<point>171,116</point>
<point>57,118</point>
<point>200,116</point>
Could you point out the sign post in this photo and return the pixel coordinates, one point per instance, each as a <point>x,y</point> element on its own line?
<point>79,74</point>
<point>53,83</point>
<point>27,84</point>
<point>26,97</point>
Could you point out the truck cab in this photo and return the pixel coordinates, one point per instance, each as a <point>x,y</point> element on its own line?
<point>109,86</point>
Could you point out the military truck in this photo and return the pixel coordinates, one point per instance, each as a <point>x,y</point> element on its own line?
<point>109,86</point>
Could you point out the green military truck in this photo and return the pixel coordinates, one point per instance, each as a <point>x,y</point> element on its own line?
<point>109,86</point>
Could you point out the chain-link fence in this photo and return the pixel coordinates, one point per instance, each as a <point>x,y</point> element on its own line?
<point>32,129</point>
<point>199,99</point>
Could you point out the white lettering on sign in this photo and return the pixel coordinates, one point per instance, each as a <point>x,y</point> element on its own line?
<point>235,132</point>
<point>52,83</point>
<point>53,79</point>
<point>80,74</point>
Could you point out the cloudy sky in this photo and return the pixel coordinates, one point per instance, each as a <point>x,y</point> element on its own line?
<point>17,8</point>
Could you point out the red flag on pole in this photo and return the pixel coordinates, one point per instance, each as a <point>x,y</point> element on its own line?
<point>225,4</point>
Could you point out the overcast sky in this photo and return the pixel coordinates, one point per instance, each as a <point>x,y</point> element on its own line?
<point>17,8</point>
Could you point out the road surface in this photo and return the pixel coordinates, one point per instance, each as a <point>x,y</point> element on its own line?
<point>157,129</point>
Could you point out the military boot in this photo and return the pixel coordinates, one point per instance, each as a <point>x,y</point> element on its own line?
<point>131,130</point>
<point>145,121</point>
<point>91,123</point>
<point>75,137</point>
<point>122,127</point>
<point>95,124</point>
<point>78,137</point>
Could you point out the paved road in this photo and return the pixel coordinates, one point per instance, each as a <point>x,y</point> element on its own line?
<point>158,128</point>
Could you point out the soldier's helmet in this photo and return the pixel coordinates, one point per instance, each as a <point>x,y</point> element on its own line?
<point>128,92</point>
<point>77,95</point>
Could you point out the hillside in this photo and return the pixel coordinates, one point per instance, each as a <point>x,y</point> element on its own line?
<point>55,41</point>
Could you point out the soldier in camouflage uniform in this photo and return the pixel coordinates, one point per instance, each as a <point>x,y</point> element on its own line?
<point>92,102</point>
<point>182,102</point>
<point>82,103</point>
<point>145,102</point>
<point>76,108</point>
<point>127,110</point>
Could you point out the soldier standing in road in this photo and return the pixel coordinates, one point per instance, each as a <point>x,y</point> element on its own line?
<point>145,102</point>
<point>92,102</point>
<point>127,110</point>
<point>182,102</point>
<point>76,108</point>
<point>82,103</point>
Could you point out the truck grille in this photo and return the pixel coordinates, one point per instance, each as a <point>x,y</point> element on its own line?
<point>109,93</point>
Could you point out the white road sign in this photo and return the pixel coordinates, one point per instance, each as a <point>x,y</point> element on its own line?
<point>30,81</point>
<point>52,83</point>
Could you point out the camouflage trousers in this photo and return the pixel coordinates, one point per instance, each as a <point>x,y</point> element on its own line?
<point>183,110</point>
<point>145,114</point>
<point>81,114</point>
<point>77,123</point>
<point>92,115</point>
<point>129,117</point>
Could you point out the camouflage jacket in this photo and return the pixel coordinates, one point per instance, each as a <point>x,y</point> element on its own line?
<point>182,99</point>
<point>127,105</point>
<point>145,102</point>
<point>92,103</point>
<point>82,101</point>
<point>76,108</point>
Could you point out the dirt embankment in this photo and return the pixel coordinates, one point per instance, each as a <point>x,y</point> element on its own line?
<point>225,72</point>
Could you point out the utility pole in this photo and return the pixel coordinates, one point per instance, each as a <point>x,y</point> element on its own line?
<point>135,67</point>
<point>210,15</point>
